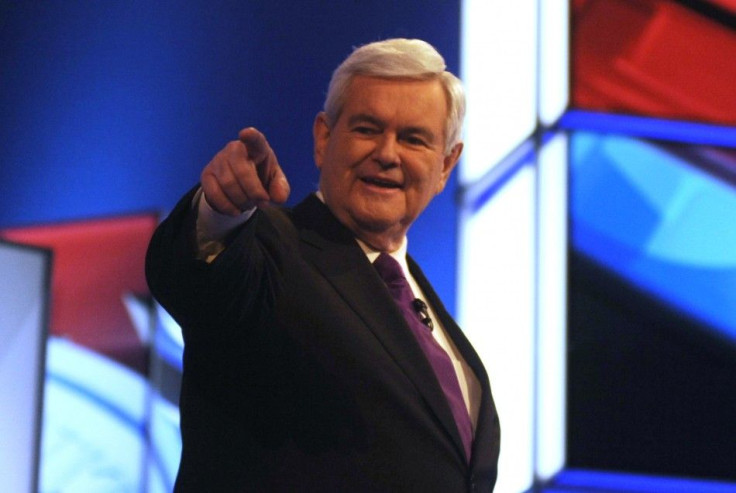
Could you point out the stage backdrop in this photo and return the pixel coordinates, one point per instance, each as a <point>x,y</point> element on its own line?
<point>114,107</point>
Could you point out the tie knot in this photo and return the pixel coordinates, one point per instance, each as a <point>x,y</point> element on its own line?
<point>389,269</point>
<point>393,276</point>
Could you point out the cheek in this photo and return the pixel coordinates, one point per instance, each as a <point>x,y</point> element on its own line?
<point>339,181</point>
<point>420,196</point>
<point>431,182</point>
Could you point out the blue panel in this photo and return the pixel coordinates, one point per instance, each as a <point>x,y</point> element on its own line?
<point>678,131</point>
<point>580,481</point>
<point>658,221</point>
<point>114,107</point>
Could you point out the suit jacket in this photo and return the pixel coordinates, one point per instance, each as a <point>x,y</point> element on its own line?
<point>300,373</point>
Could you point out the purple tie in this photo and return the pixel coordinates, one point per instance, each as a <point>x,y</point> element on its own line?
<point>390,270</point>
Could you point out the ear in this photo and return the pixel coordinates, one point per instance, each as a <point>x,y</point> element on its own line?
<point>321,134</point>
<point>448,164</point>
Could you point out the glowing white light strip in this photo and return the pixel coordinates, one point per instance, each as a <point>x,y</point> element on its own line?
<point>513,249</point>
<point>552,321</point>
<point>554,59</point>
<point>499,68</point>
<point>497,307</point>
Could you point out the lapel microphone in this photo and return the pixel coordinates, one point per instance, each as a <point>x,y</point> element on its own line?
<point>423,311</point>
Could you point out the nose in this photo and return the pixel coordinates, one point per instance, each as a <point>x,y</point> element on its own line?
<point>386,152</point>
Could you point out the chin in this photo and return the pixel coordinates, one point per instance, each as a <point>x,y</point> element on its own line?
<point>375,223</point>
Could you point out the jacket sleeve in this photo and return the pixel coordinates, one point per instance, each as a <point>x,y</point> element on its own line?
<point>236,290</point>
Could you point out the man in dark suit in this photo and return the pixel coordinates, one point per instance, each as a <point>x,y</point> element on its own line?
<point>302,369</point>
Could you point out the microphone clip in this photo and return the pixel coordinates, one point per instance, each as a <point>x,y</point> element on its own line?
<point>423,312</point>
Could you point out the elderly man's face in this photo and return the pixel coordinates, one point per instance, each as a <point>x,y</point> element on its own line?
<point>383,160</point>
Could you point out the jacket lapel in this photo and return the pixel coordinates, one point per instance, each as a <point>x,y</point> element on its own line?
<point>487,430</point>
<point>331,248</point>
<point>452,329</point>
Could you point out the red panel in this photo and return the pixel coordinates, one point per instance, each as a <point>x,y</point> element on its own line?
<point>653,57</point>
<point>729,5</point>
<point>95,263</point>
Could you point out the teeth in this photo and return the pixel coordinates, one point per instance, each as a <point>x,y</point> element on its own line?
<point>381,183</point>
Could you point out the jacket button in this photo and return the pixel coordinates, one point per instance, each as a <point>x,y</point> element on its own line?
<point>473,486</point>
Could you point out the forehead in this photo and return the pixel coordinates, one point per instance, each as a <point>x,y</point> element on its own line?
<point>397,99</point>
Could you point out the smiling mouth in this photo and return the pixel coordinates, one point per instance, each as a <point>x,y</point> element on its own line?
<point>381,183</point>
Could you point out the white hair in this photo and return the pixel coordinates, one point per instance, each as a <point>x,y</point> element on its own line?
<point>399,58</point>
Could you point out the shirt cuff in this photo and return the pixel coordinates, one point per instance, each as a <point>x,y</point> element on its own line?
<point>213,227</point>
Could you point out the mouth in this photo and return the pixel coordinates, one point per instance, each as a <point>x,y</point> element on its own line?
<point>381,183</point>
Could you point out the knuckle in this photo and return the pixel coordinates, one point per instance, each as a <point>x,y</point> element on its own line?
<point>229,183</point>
<point>234,147</point>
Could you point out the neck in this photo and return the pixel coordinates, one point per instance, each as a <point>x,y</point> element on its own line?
<point>372,252</point>
<point>381,242</point>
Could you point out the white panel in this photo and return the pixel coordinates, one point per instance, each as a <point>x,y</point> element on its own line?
<point>94,422</point>
<point>552,281</point>
<point>499,47</point>
<point>23,289</point>
<point>554,78</point>
<point>497,306</point>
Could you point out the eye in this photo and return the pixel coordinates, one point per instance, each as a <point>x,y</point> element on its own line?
<point>416,140</point>
<point>365,130</point>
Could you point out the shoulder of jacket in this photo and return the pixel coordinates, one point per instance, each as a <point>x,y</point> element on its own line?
<point>281,218</point>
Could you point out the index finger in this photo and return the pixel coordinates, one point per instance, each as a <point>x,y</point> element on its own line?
<point>269,171</point>
<point>256,145</point>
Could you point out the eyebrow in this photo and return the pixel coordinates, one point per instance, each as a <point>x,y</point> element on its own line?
<point>365,118</point>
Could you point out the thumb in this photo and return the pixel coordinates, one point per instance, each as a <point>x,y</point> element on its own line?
<point>278,186</point>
